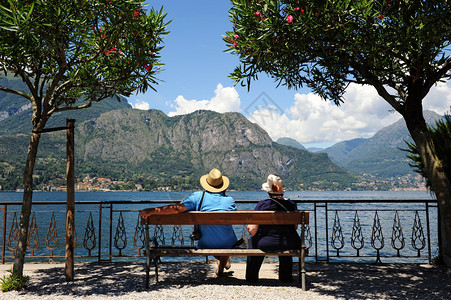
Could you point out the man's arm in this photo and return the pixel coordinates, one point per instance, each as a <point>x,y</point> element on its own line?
<point>163,210</point>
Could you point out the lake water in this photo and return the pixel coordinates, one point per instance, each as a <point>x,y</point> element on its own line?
<point>124,217</point>
<point>247,195</point>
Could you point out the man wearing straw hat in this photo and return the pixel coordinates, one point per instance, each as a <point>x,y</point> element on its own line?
<point>212,199</point>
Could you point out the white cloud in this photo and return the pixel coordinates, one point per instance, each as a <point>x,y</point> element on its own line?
<point>439,98</point>
<point>142,105</point>
<point>313,120</point>
<point>226,99</point>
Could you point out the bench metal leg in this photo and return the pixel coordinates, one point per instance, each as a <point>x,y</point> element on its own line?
<point>302,269</point>
<point>302,258</point>
<point>156,259</point>
<point>147,256</point>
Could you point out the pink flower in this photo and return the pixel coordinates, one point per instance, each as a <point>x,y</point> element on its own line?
<point>148,67</point>
<point>235,44</point>
<point>258,14</point>
<point>236,36</point>
<point>296,8</point>
<point>135,13</point>
<point>290,19</point>
<point>302,11</point>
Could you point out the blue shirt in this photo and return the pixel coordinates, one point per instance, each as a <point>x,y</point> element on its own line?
<point>213,236</point>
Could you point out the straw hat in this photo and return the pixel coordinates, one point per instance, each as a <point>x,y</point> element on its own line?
<point>214,182</point>
<point>273,185</point>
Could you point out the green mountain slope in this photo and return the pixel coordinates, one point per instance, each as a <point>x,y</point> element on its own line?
<point>15,111</point>
<point>340,151</point>
<point>379,155</point>
<point>151,148</point>
<point>290,142</point>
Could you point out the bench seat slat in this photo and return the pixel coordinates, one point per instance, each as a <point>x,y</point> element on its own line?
<point>161,251</point>
<point>230,218</point>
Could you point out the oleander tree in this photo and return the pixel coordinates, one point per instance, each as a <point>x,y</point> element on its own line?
<point>441,136</point>
<point>71,53</point>
<point>400,47</point>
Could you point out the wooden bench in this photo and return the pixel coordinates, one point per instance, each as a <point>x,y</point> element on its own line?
<point>155,251</point>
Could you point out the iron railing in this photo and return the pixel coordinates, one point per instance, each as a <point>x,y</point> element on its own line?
<point>339,230</point>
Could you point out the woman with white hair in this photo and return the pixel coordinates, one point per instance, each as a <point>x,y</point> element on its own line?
<point>273,237</point>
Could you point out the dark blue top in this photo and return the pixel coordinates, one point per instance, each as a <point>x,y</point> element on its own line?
<point>276,236</point>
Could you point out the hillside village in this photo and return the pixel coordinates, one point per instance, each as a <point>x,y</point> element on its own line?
<point>101,184</point>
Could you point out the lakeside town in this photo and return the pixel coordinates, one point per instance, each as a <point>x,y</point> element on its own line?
<point>101,184</point>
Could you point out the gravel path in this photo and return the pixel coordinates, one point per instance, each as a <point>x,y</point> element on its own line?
<point>196,280</point>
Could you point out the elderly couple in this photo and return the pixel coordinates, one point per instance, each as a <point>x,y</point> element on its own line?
<point>266,237</point>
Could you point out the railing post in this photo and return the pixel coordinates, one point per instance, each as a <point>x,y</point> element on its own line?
<point>5,207</point>
<point>100,233</point>
<point>316,233</point>
<point>327,231</point>
<point>111,232</point>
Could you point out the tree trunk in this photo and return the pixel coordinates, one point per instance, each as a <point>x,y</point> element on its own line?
<point>439,181</point>
<point>26,204</point>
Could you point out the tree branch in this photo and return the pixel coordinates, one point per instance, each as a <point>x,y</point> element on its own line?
<point>442,72</point>
<point>371,79</point>
<point>22,94</point>
<point>86,105</point>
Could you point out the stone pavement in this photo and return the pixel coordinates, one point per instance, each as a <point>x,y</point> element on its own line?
<point>196,280</point>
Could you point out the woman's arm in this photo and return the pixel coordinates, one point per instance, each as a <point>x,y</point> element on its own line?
<point>163,210</point>
<point>252,229</point>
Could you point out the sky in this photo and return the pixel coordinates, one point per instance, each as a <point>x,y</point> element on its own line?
<point>196,76</point>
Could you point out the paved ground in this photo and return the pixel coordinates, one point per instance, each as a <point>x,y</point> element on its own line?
<point>198,281</point>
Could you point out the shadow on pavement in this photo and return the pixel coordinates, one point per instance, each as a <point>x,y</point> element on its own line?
<point>344,281</point>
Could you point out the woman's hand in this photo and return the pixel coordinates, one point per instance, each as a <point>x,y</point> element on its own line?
<point>252,229</point>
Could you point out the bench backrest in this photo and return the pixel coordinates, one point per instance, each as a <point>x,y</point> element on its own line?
<point>230,218</point>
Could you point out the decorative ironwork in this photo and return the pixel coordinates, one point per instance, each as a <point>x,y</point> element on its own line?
<point>357,238</point>
<point>337,239</point>
<point>13,237</point>
<point>393,214</point>
<point>33,237</point>
<point>418,240</point>
<point>51,240</point>
<point>158,233</point>
<point>308,239</point>
<point>120,238</point>
<point>397,236</point>
<point>140,236</point>
<point>377,237</point>
<point>89,239</point>
<point>177,235</point>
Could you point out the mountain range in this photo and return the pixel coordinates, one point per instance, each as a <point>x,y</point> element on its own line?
<point>381,155</point>
<point>148,147</point>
